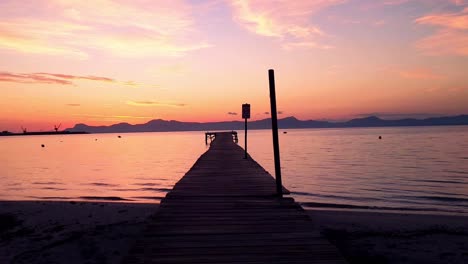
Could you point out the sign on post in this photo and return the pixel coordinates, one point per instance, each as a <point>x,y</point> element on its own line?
<point>246,111</point>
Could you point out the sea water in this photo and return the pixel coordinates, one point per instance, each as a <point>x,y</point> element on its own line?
<point>414,169</point>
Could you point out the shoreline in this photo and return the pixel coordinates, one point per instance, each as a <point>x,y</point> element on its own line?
<point>103,232</point>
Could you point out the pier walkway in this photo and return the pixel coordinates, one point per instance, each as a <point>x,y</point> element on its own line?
<point>224,210</point>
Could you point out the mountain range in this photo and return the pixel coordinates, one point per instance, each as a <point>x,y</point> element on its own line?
<point>160,125</point>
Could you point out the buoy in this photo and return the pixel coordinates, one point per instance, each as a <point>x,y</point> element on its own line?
<point>42,145</point>
<point>380,137</point>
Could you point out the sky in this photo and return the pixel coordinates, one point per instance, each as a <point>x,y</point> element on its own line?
<point>103,62</point>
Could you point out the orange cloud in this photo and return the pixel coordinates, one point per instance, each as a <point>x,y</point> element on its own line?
<point>286,20</point>
<point>74,28</point>
<point>451,37</point>
<point>155,103</point>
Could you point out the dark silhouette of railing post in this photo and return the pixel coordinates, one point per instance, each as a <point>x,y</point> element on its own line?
<point>274,129</point>
<point>245,115</point>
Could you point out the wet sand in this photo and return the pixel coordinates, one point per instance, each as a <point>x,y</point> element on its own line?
<point>103,232</point>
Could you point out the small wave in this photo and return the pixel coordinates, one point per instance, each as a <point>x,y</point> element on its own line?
<point>15,189</point>
<point>50,197</point>
<point>349,206</point>
<point>146,184</point>
<point>101,184</point>
<point>457,172</point>
<point>443,198</point>
<point>149,197</point>
<point>440,181</point>
<point>360,199</point>
<point>106,198</point>
<point>53,188</point>
<point>48,183</point>
<point>157,189</point>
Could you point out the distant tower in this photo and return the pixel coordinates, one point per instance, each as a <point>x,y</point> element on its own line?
<point>56,128</point>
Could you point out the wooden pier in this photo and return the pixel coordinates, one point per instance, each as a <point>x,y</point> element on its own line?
<point>212,135</point>
<point>225,210</point>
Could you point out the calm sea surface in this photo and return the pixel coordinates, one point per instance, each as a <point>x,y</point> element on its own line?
<point>415,169</point>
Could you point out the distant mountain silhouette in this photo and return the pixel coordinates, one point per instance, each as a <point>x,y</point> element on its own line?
<point>160,125</point>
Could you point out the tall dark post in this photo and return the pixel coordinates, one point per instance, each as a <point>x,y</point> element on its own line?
<point>274,128</point>
<point>246,115</point>
<point>245,139</point>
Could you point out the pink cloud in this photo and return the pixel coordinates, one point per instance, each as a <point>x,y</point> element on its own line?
<point>395,2</point>
<point>31,78</point>
<point>288,21</point>
<point>121,28</point>
<point>451,37</point>
<point>67,76</point>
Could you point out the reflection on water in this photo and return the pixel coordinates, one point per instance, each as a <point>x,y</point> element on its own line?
<point>137,167</point>
<point>411,168</point>
<point>417,168</point>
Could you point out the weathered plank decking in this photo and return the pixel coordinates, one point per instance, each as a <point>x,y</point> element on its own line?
<point>224,210</point>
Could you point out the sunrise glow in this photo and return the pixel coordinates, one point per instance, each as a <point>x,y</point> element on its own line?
<point>110,61</point>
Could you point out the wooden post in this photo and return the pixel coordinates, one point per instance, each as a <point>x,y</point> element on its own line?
<point>245,115</point>
<point>274,129</point>
<point>245,139</point>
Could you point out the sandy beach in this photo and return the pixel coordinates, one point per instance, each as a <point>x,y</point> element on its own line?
<point>69,232</point>
<point>102,232</point>
<point>383,237</point>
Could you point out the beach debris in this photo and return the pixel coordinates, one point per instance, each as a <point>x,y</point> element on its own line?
<point>119,136</point>
<point>380,137</point>
<point>42,145</point>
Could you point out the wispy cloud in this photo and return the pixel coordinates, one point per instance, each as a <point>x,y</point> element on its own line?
<point>389,115</point>
<point>74,105</point>
<point>421,74</point>
<point>49,78</point>
<point>459,2</point>
<point>231,113</point>
<point>395,2</point>
<point>77,77</point>
<point>123,28</point>
<point>288,21</point>
<point>112,117</point>
<point>31,78</point>
<point>451,37</point>
<point>155,103</point>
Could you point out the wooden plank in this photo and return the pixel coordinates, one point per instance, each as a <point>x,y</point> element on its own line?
<point>225,210</point>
